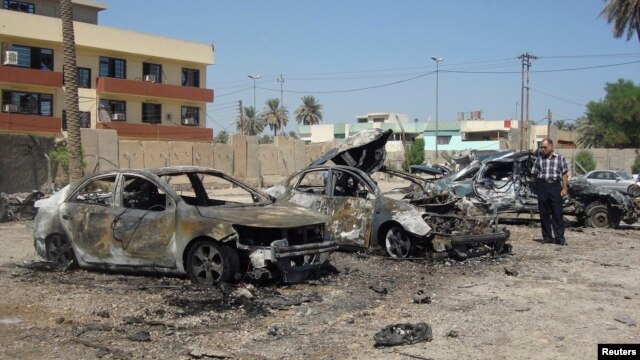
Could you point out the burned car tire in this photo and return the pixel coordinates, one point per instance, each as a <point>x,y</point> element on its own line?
<point>398,243</point>
<point>209,263</point>
<point>597,216</point>
<point>60,252</point>
<point>634,190</point>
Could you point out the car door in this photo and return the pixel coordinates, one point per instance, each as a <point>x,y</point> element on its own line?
<point>309,189</point>
<point>350,204</point>
<point>87,216</point>
<point>144,223</point>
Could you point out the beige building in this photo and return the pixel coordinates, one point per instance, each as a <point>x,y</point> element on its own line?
<point>144,86</point>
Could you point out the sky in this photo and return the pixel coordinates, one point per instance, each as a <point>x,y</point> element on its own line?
<point>364,56</point>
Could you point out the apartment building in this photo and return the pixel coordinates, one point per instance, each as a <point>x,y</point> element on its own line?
<point>143,86</point>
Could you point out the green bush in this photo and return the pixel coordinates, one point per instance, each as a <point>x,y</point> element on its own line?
<point>416,152</point>
<point>635,168</point>
<point>585,158</point>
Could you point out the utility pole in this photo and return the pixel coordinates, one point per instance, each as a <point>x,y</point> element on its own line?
<point>281,81</point>
<point>242,124</point>
<point>526,64</point>
<point>548,123</point>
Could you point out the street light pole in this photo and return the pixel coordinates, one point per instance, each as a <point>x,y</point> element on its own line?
<point>437,60</point>
<point>254,77</point>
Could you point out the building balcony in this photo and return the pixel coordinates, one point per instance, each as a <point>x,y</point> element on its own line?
<point>158,132</point>
<point>26,76</point>
<point>30,124</point>
<point>152,89</point>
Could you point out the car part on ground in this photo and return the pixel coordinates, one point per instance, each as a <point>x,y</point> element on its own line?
<point>180,220</point>
<point>19,206</point>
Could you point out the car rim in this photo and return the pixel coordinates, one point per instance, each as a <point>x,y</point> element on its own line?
<point>60,252</point>
<point>207,264</point>
<point>600,219</point>
<point>397,243</point>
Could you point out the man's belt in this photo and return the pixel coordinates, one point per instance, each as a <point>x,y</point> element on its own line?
<point>549,181</point>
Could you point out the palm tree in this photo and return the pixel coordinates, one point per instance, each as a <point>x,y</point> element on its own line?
<point>249,124</point>
<point>222,137</point>
<point>71,91</point>
<point>274,115</point>
<point>588,135</point>
<point>309,112</point>
<point>625,16</point>
<point>559,124</point>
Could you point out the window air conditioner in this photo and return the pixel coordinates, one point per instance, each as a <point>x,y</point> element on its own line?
<point>118,117</point>
<point>10,108</point>
<point>188,121</point>
<point>149,78</point>
<point>10,58</point>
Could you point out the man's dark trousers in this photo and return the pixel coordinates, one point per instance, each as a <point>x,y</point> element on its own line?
<point>550,207</point>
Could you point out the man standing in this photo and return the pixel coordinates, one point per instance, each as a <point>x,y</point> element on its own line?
<point>551,172</point>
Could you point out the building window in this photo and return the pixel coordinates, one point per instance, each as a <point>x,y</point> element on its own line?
<point>116,109</point>
<point>362,120</point>
<point>378,120</point>
<point>112,67</point>
<point>190,115</point>
<point>190,77</point>
<point>19,6</point>
<point>34,57</point>
<point>152,72</point>
<point>27,103</point>
<point>338,136</point>
<point>85,119</point>
<point>151,113</point>
<point>444,140</point>
<point>84,78</point>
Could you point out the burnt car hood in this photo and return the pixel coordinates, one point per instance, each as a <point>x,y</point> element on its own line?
<point>278,215</point>
<point>364,150</point>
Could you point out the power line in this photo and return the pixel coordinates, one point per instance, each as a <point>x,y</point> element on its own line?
<point>559,98</point>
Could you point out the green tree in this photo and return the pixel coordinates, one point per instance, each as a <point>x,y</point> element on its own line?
<point>293,134</point>
<point>309,112</point>
<point>249,123</point>
<point>635,168</point>
<point>587,137</point>
<point>560,124</point>
<point>71,91</point>
<point>615,121</point>
<point>586,160</point>
<point>625,16</point>
<point>265,139</point>
<point>222,137</point>
<point>274,115</point>
<point>416,152</point>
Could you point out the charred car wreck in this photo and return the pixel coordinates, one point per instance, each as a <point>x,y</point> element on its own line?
<point>362,217</point>
<point>503,183</point>
<point>180,220</point>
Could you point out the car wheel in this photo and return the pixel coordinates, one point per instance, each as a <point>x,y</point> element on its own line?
<point>597,216</point>
<point>634,190</point>
<point>209,263</point>
<point>60,252</point>
<point>398,243</point>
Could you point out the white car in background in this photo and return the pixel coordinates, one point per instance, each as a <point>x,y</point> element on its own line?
<point>614,180</point>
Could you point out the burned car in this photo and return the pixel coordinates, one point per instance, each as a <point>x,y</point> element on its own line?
<point>503,183</point>
<point>362,217</point>
<point>180,220</point>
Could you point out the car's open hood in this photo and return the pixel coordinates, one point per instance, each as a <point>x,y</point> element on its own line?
<point>364,150</point>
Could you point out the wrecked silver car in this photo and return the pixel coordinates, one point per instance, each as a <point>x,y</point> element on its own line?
<point>184,220</point>
<point>503,183</point>
<point>362,217</point>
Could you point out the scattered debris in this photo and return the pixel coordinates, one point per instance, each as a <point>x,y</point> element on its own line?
<point>523,309</point>
<point>19,206</point>
<point>103,349</point>
<point>510,272</point>
<point>403,334</point>
<point>10,320</point>
<point>59,320</point>
<point>280,302</point>
<point>625,320</point>
<point>140,336</point>
<point>421,297</point>
<point>471,285</point>
<point>382,290</point>
<point>103,314</point>
<point>453,334</point>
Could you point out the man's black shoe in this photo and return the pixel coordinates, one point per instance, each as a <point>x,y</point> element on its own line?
<point>548,241</point>
<point>561,242</point>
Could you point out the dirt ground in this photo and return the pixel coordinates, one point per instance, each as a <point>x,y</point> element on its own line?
<point>542,302</point>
